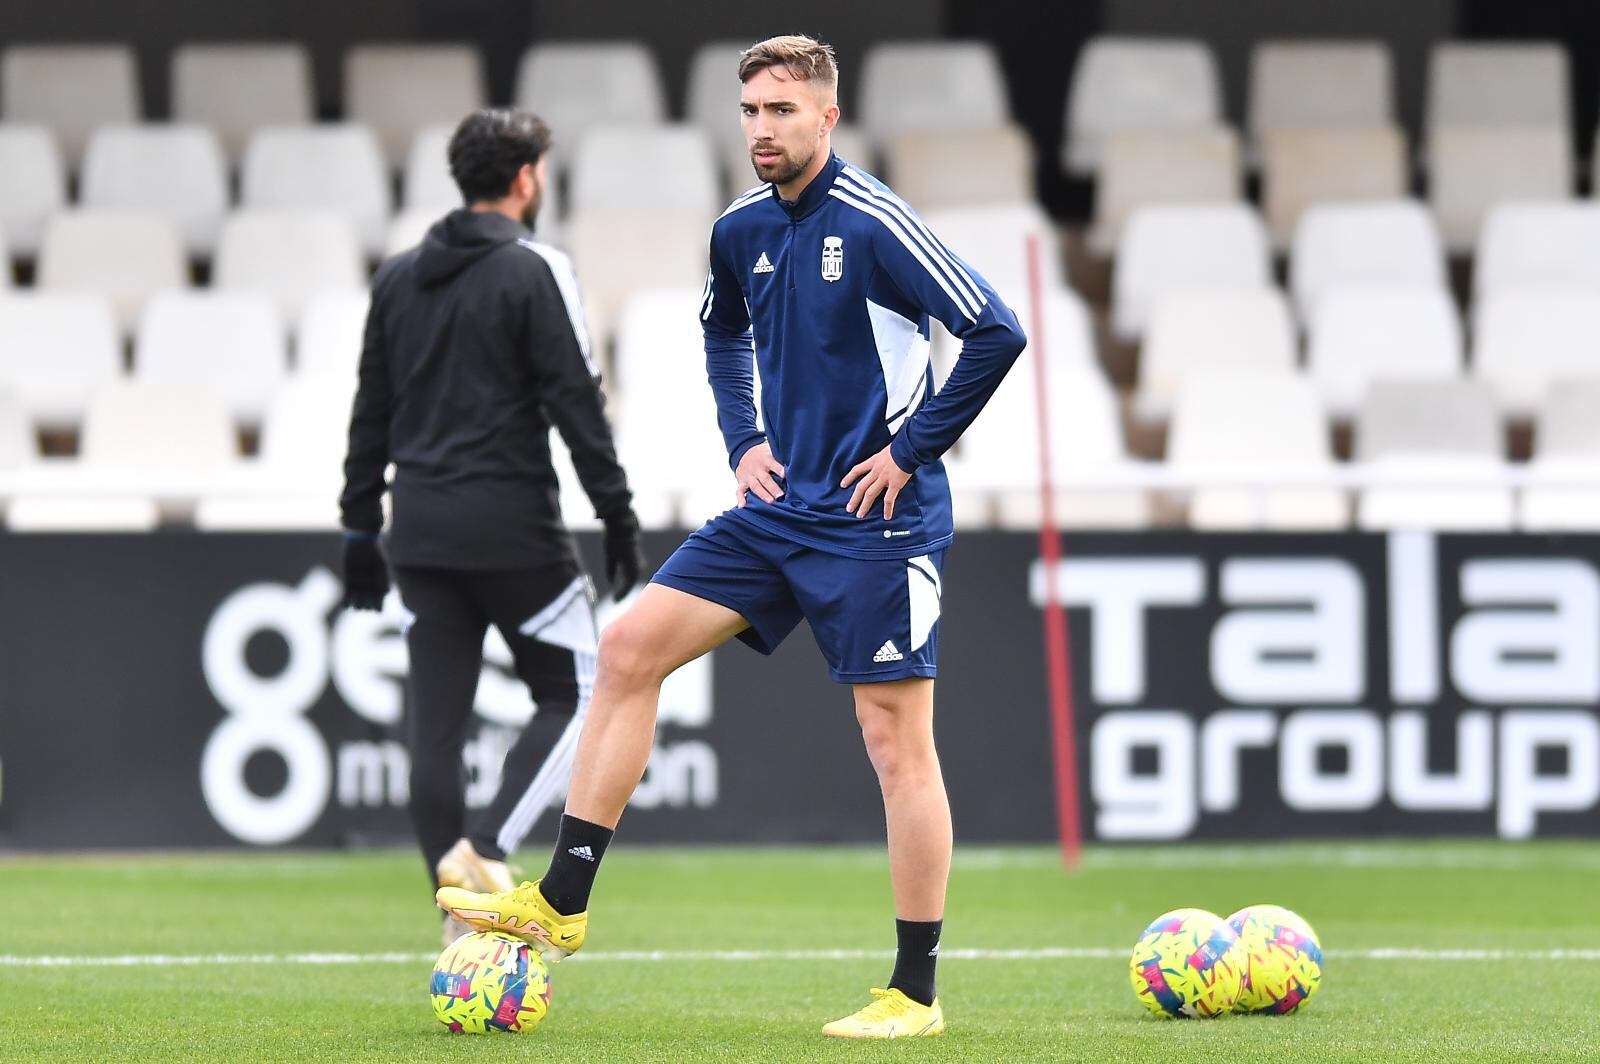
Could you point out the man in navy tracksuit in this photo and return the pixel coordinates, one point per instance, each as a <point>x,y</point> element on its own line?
<point>844,509</point>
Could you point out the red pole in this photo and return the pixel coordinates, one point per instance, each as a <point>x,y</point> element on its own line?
<point>1057,650</point>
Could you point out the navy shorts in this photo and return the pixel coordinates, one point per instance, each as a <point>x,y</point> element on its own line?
<point>874,620</point>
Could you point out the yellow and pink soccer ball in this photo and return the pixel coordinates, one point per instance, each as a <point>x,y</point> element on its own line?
<point>1188,964</point>
<point>487,982</point>
<point>1283,960</point>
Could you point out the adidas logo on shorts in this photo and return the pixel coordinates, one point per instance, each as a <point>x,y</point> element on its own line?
<point>888,652</point>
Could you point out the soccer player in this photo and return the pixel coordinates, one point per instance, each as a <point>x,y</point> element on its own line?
<point>843,515</point>
<point>474,346</point>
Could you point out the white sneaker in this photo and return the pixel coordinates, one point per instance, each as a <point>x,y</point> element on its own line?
<point>463,866</point>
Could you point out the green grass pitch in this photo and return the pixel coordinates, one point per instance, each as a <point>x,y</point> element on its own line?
<point>718,954</point>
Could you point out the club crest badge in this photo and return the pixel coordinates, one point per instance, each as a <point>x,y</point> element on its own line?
<point>832,258</point>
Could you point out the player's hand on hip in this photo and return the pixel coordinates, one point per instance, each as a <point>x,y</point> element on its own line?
<point>759,472</point>
<point>876,476</point>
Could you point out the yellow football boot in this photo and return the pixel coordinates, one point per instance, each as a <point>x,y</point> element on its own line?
<point>891,1015</point>
<point>520,911</point>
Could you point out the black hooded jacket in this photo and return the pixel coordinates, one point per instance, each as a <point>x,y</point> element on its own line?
<point>475,346</point>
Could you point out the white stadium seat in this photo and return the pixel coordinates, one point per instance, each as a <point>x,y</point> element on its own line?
<point>1304,167</point>
<point>406,231</point>
<point>1137,83</point>
<point>679,159</point>
<point>907,85</point>
<point>290,255</point>
<point>934,168</point>
<point>173,170</point>
<point>1244,419</point>
<point>1566,442</point>
<point>135,429</point>
<point>994,242</point>
<point>1497,84</point>
<point>1166,249</point>
<point>70,88</point>
<point>1548,245</point>
<point>18,447</point>
<point>672,254</point>
<point>57,350</point>
<point>713,94</point>
<point>33,185</point>
<point>328,334</point>
<point>238,88</point>
<point>231,342</point>
<point>320,168</point>
<point>125,257</point>
<point>1472,168</point>
<point>1140,167</point>
<point>1359,335</point>
<point>397,89</point>
<point>577,86</point>
<point>1523,340</point>
<point>1311,84</point>
<point>1195,333</point>
<point>1428,431</point>
<point>1338,245</point>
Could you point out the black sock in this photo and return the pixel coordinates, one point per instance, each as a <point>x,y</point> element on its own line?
<point>915,959</point>
<point>579,847</point>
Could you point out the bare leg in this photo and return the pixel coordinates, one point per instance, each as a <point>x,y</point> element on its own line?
<point>897,725</point>
<point>662,631</point>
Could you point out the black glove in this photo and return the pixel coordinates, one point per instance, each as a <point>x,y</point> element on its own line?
<point>366,574</point>
<point>624,558</point>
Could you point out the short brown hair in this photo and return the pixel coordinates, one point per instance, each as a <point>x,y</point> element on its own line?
<point>805,58</point>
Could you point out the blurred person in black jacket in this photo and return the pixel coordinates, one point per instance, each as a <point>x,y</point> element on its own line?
<point>474,347</point>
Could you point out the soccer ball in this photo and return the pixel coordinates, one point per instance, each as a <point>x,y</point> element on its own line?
<point>488,981</point>
<point>1284,959</point>
<point>1187,963</point>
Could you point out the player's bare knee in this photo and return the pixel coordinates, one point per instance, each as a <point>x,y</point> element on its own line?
<point>628,655</point>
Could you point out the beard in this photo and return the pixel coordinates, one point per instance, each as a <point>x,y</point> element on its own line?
<point>530,213</point>
<point>784,170</point>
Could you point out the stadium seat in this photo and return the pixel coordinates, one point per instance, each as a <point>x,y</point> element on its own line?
<point>18,447</point>
<point>320,168</point>
<point>231,342</point>
<point>290,255</point>
<point>1361,334</point>
<point>666,418</point>
<point>1339,245</point>
<point>1567,443</point>
<point>997,460</point>
<point>125,257</point>
<point>56,350</point>
<point>239,88</point>
<point>994,242</point>
<point>173,170</point>
<point>406,231</point>
<point>135,429</point>
<point>294,484</point>
<point>1249,419</point>
<point>712,101</point>
<point>910,85</point>
<point>676,258</point>
<point>576,86</point>
<point>1152,166</point>
<point>933,168</point>
<point>1305,167</point>
<point>328,334</point>
<point>605,171</point>
<point>1137,83</point>
<point>69,88</point>
<point>1523,340</point>
<point>1171,248</point>
<point>1195,333</point>
<point>1550,245</point>
<point>1522,84</point>
<point>33,185</point>
<point>1472,168</point>
<point>1303,85</point>
<point>1428,431</point>
<point>397,89</point>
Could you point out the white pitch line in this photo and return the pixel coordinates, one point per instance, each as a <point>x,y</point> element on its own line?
<point>175,960</point>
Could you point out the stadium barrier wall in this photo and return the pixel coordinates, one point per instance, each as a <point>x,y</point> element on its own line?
<point>183,689</point>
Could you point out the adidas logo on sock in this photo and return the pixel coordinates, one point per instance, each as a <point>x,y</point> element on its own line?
<point>763,264</point>
<point>582,852</point>
<point>888,652</point>
<point>934,952</point>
